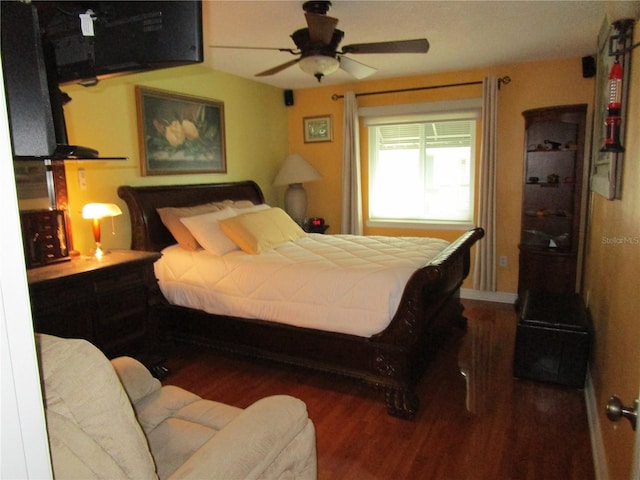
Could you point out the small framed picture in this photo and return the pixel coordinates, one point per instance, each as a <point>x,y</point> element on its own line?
<point>180,134</point>
<point>317,129</point>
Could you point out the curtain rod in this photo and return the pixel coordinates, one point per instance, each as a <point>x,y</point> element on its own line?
<point>501,81</point>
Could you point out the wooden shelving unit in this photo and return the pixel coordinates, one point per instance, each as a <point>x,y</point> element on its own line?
<point>552,197</point>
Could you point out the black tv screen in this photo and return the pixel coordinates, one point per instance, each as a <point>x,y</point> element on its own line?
<point>95,40</point>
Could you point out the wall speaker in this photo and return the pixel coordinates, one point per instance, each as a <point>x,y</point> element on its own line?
<point>588,67</point>
<point>288,97</point>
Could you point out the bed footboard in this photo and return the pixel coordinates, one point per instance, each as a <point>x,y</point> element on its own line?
<point>430,302</point>
<point>429,287</point>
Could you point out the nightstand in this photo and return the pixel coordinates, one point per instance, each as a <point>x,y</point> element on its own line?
<point>109,301</point>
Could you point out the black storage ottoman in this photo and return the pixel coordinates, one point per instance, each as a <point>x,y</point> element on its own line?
<point>553,338</point>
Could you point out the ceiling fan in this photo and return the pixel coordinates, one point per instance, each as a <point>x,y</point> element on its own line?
<point>317,46</point>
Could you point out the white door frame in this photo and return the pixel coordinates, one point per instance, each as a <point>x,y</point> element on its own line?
<point>25,448</point>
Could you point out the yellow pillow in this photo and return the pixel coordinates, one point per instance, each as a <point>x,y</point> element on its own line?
<point>257,232</point>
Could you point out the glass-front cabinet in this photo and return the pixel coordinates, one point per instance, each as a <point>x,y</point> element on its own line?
<point>552,198</point>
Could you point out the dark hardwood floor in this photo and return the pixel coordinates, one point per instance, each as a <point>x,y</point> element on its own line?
<point>479,424</point>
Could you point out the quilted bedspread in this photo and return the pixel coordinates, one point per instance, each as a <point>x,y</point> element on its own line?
<point>340,283</point>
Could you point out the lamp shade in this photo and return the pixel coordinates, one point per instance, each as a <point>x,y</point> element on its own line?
<point>100,210</point>
<point>296,169</point>
<point>94,212</point>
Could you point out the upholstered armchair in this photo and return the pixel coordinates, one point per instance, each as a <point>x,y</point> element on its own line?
<point>114,420</point>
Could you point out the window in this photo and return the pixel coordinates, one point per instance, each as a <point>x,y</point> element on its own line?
<point>422,171</point>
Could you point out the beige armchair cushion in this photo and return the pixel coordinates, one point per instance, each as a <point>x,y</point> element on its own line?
<point>93,431</point>
<point>98,429</point>
<point>194,438</point>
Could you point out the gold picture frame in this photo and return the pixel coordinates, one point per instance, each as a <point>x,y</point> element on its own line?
<point>180,134</point>
<point>317,129</point>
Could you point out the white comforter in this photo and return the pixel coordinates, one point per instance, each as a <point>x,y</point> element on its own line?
<point>339,283</point>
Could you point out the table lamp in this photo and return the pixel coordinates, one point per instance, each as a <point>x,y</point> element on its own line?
<point>294,172</point>
<point>95,212</point>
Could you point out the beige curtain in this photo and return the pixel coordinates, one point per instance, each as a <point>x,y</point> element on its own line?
<point>484,271</point>
<point>351,185</point>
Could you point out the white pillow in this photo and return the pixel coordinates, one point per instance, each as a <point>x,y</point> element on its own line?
<point>206,230</point>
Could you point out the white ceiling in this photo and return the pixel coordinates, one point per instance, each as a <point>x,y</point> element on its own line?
<point>462,34</point>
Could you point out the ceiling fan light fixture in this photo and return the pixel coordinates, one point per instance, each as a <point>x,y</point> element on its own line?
<point>319,65</point>
<point>317,46</point>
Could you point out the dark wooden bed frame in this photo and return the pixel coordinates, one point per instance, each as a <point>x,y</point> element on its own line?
<point>393,360</point>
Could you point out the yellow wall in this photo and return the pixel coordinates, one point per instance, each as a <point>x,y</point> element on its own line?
<point>611,287</point>
<point>261,131</point>
<point>104,118</point>
<point>533,85</point>
<point>611,269</point>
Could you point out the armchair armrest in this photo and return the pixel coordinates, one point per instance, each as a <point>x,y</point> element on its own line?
<point>135,378</point>
<point>251,442</point>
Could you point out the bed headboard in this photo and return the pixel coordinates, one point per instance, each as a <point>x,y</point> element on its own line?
<point>147,230</point>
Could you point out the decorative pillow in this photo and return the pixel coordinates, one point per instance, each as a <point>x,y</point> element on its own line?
<point>171,216</point>
<point>263,230</point>
<point>206,230</point>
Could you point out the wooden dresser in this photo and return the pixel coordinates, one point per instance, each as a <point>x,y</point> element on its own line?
<point>109,301</point>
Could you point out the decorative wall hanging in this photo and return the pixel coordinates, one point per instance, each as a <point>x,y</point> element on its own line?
<point>180,134</point>
<point>317,129</point>
<point>610,108</point>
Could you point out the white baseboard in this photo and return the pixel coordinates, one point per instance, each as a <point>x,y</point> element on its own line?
<point>595,433</point>
<point>499,297</point>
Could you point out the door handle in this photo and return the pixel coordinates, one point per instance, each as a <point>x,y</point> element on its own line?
<point>616,410</point>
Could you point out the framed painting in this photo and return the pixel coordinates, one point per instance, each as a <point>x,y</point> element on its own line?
<point>180,134</point>
<point>317,129</point>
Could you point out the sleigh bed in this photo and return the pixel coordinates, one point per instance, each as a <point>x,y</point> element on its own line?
<point>392,359</point>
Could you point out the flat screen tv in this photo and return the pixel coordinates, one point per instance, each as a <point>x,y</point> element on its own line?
<point>93,40</point>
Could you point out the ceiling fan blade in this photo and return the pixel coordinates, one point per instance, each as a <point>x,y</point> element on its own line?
<point>290,50</point>
<point>279,68</point>
<point>419,45</point>
<point>356,69</point>
<point>321,27</point>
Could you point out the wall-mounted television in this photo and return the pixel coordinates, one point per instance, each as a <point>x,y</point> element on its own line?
<point>93,40</point>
